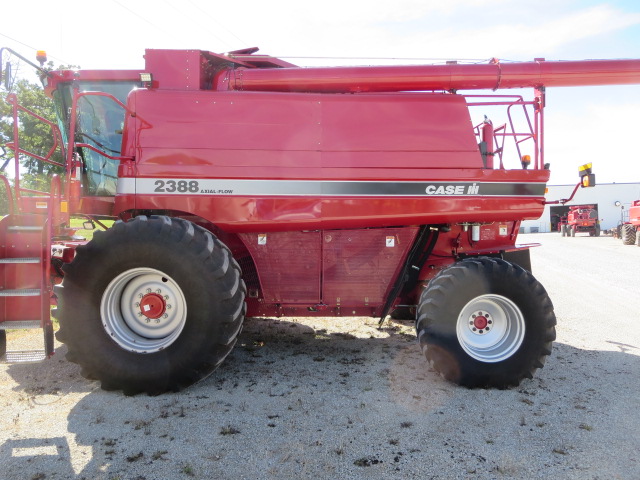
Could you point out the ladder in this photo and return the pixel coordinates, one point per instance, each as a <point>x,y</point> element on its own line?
<point>26,234</point>
<point>25,283</point>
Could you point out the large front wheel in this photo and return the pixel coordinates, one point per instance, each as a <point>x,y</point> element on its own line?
<point>151,305</point>
<point>485,323</point>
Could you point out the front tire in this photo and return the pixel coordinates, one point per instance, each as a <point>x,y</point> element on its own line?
<point>151,305</point>
<point>485,323</point>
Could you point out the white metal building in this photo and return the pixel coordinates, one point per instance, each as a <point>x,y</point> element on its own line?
<point>612,200</point>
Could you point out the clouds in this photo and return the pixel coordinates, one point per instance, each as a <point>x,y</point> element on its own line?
<point>429,29</point>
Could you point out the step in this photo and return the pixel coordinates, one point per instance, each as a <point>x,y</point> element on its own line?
<point>27,292</point>
<point>24,228</point>
<point>19,324</point>
<point>23,356</point>
<point>20,260</point>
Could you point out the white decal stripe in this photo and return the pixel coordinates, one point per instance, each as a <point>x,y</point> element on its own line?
<point>126,186</point>
<point>329,188</point>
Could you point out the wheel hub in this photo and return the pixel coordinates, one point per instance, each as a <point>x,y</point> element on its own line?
<point>152,305</point>
<point>480,322</point>
<point>143,310</point>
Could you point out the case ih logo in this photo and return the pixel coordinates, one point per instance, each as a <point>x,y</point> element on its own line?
<point>452,189</point>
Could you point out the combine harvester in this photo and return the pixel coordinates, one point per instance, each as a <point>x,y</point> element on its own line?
<point>246,186</point>
<point>582,218</point>
<point>630,231</point>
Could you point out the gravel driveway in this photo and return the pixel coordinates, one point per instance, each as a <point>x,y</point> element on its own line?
<point>340,399</point>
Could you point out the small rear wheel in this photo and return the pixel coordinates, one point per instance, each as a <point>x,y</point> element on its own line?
<point>485,323</point>
<point>3,344</point>
<point>628,234</point>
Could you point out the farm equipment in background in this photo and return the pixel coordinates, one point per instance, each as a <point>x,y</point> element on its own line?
<point>582,218</point>
<point>630,230</point>
<point>245,186</point>
<point>562,225</point>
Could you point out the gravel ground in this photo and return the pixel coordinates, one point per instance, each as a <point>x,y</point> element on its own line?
<point>338,398</point>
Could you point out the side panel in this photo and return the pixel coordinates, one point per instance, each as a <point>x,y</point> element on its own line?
<point>359,265</point>
<point>288,265</point>
<point>263,162</point>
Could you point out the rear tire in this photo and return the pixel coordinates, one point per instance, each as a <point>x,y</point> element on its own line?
<point>485,323</point>
<point>151,305</point>
<point>628,234</point>
<point>3,344</point>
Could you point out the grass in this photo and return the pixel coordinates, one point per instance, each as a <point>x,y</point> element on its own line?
<point>77,223</point>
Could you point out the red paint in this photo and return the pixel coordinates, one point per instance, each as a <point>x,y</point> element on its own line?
<point>354,165</point>
<point>634,213</point>
<point>152,305</point>
<point>438,77</point>
<point>480,322</point>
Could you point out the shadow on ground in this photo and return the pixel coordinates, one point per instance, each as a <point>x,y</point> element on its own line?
<point>329,400</point>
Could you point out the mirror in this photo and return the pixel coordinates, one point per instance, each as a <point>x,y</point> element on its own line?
<point>8,80</point>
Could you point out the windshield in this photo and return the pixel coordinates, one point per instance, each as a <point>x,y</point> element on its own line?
<point>100,121</point>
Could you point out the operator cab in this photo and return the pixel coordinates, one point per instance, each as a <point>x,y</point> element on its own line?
<point>99,122</point>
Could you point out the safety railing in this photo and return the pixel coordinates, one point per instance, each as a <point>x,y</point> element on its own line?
<point>18,151</point>
<point>527,129</point>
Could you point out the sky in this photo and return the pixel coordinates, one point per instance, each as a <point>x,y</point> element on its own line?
<point>594,124</point>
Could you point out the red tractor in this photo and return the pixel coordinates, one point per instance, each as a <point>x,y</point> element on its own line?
<point>630,231</point>
<point>243,186</point>
<point>582,218</point>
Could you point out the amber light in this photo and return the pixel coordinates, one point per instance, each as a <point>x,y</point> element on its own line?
<point>41,56</point>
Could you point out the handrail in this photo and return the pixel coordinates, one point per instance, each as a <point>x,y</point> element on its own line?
<point>17,151</point>
<point>47,232</point>
<point>57,135</point>
<point>91,147</point>
<point>519,135</point>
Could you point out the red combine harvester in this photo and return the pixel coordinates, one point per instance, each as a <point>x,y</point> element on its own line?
<point>630,231</point>
<point>582,218</point>
<point>246,186</point>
